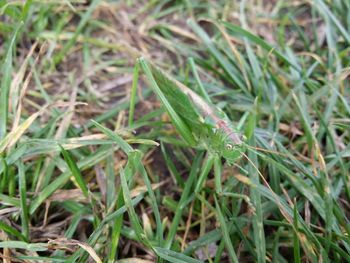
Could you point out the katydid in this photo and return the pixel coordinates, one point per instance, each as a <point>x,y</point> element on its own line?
<point>198,121</point>
<point>203,125</point>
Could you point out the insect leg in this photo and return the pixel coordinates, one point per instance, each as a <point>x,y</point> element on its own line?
<point>217,174</point>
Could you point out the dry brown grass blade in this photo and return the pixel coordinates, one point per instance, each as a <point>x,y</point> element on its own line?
<point>142,189</point>
<point>26,84</point>
<point>14,88</point>
<point>68,118</point>
<point>16,134</point>
<point>65,243</point>
<point>68,194</point>
<point>6,251</point>
<point>60,133</point>
<point>188,225</point>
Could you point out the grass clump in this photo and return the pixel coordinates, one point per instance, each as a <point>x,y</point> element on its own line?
<point>227,142</point>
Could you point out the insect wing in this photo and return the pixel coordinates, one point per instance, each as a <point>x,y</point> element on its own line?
<point>178,100</point>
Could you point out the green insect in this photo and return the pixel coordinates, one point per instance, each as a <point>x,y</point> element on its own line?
<point>200,123</point>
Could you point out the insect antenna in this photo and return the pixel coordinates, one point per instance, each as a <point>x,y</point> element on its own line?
<point>256,168</point>
<point>266,150</point>
<point>276,197</point>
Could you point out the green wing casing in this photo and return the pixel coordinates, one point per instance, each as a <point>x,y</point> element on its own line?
<point>209,125</point>
<point>179,100</point>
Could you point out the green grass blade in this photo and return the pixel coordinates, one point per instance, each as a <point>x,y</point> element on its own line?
<point>75,171</point>
<point>296,245</point>
<point>225,64</point>
<point>23,198</point>
<point>115,137</point>
<point>64,177</point>
<point>225,233</point>
<point>116,231</point>
<point>171,166</point>
<point>135,80</point>
<point>173,256</point>
<point>155,208</point>
<point>208,165</point>
<point>127,199</point>
<point>325,10</point>
<point>259,41</point>
<point>218,174</point>
<point>6,69</point>
<point>34,247</point>
<point>258,226</point>
<point>82,23</point>
<point>202,90</point>
<point>12,231</point>
<point>183,200</point>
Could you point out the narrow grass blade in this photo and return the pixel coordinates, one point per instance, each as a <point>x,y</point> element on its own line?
<point>259,41</point>
<point>296,246</point>
<point>6,82</point>
<point>127,199</point>
<point>84,20</point>
<point>23,245</point>
<point>115,137</point>
<point>183,200</point>
<point>4,174</point>
<point>12,231</point>
<point>202,90</point>
<point>218,174</point>
<point>116,231</point>
<point>75,171</point>
<point>325,10</point>
<point>171,166</point>
<point>6,199</point>
<point>303,111</point>
<point>225,64</point>
<point>173,256</point>
<point>135,80</point>
<point>225,233</point>
<point>16,134</point>
<point>64,177</point>
<point>23,198</point>
<point>258,226</point>
<point>208,165</point>
<point>142,170</point>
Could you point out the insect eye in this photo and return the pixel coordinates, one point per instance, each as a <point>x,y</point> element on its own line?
<point>243,138</point>
<point>229,146</point>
